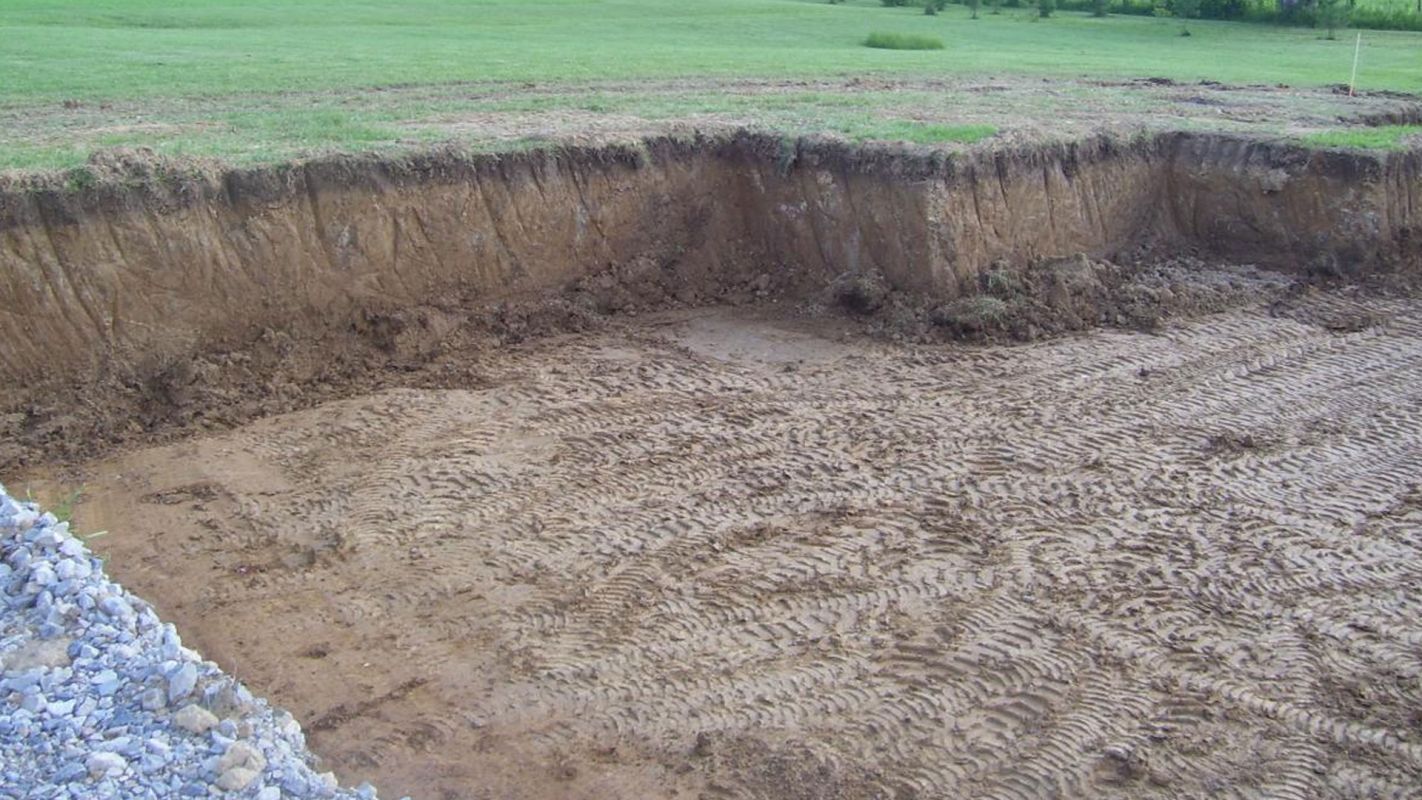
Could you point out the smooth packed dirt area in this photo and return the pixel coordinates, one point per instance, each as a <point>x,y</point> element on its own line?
<point>736,553</point>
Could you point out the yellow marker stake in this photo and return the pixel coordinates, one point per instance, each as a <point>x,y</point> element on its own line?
<point>1357,46</point>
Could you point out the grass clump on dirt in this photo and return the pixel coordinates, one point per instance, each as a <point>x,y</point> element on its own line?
<point>61,505</point>
<point>902,41</point>
<point>973,314</point>
<point>1383,137</point>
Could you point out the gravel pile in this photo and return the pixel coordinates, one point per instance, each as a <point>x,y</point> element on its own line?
<point>99,698</point>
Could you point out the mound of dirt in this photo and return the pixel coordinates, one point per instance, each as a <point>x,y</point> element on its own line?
<point>1053,296</point>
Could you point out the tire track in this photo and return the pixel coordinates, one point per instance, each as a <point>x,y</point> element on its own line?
<point>1108,565</point>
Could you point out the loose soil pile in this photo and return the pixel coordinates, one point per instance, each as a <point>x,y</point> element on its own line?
<point>725,553</point>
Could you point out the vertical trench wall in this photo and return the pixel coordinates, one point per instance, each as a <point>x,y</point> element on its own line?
<point>160,270</point>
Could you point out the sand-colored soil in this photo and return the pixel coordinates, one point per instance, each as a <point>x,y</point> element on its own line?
<point>724,554</point>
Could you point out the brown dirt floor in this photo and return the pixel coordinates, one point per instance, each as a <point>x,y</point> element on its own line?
<point>739,553</point>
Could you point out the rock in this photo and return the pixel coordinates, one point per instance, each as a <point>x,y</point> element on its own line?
<point>107,683</point>
<point>229,701</point>
<point>99,699</point>
<point>236,779</point>
<point>43,575</point>
<point>50,539</point>
<point>102,765</point>
<point>116,607</point>
<point>182,682</point>
<point>19,560</point>
<point>194,719</point>
<point>22,681</point>
<point>69,773</point>
<point>242,754</point>
<point>153,700</point>
<point>48,653</point>
<point>25,519</point>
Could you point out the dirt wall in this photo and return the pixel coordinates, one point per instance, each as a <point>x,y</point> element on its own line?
<point>148,271</point>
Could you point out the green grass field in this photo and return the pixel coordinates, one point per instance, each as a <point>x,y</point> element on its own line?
<point>1392,5</point>
<point>251,81</point>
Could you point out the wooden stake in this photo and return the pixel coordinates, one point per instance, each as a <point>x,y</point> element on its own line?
<point>1357,46</point>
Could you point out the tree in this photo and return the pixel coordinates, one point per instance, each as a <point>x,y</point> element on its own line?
<point>1331,15</point>
<point>1186,10</point>
<point>1289,9</point>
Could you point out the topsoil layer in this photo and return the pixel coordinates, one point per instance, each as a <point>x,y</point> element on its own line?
<point>728,554</point>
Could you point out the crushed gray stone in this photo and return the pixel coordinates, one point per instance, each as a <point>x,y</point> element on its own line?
<point>100,699</point>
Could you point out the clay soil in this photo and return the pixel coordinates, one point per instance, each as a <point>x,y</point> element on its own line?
<point>743,553</point>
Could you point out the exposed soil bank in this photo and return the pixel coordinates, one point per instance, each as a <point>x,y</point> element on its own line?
<point>124,284</point>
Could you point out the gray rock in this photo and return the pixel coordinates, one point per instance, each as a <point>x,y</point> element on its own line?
<point>33,701</point>
<point>236,779</point>
<point>51,538</point>
<point>43,575</point>
<point>182,682</point>
<point>102,765</point>
<point>69,772</point>
<point>242,754</point>
<point>48,653</point>
<point>154,700</point>
<point>116,607</point>
<point>194,719</point>
<point>90,676</point>
<point>107,683</point>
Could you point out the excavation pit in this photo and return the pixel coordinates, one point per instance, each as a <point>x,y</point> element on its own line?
<point>625,499</point>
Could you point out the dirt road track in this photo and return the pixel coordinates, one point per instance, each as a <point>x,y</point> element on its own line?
<point>715,554</point>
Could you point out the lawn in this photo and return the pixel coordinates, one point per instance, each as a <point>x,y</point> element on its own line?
<point>254,81</point>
